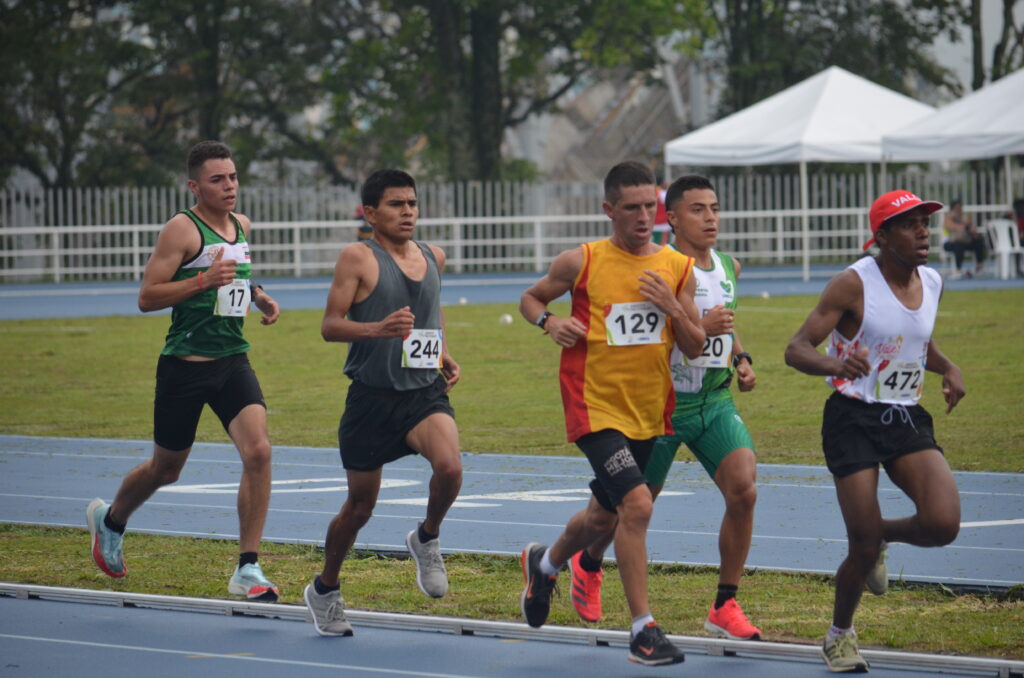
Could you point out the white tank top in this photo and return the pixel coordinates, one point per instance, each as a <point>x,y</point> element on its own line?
<point>895,336</point>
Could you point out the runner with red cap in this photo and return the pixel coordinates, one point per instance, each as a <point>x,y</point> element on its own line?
<point>879,315</point>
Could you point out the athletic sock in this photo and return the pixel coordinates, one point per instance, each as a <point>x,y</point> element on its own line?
<point>589,564</point>
<point>323,589</point>
<point>424,536</point>
<point>836,632</point>
<point>546,566</point>
<point>111,525</point>
<point>640,622</point>
<point>725,592</point>
<point>247,558</point>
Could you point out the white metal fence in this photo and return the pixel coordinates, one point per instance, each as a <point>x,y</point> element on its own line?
<point>107,234</point>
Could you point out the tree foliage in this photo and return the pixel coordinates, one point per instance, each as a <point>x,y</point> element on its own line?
<point>771,44</point>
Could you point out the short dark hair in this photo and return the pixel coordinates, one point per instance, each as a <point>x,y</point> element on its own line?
<point>625,174</point>
<point>685,183</point>
<point>203,151</point>
<point>381,180</point>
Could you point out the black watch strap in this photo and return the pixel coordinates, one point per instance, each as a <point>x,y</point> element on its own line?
<point>542,318</point>
<point>740,356</point>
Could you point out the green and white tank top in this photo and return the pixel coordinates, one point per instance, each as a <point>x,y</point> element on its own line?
<point>210,323</point>
<point>694,379</point>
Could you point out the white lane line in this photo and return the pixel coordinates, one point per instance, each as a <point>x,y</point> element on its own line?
<point>993,523</point>
<point>209,655</point>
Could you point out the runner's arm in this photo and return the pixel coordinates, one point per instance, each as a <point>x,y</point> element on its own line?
<point>952,379</point>
<point>802,352</point>
<point>350,271</point>
<point>178,241</point>
<point>556,282</point>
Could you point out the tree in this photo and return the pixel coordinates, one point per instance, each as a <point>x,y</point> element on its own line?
<point>458,73</point>
<point>62,66</point>
<point>771,44</point>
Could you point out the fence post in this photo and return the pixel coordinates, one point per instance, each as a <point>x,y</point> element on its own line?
<point>457,245</point>
<point>55,246</point>
<point>538,246</point>
<point>297,250</point>
<point>780,240</point>
<point>136,254</point>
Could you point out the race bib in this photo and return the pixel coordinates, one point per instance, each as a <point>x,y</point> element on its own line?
<point>634,323</point>
<point>422,349</point>
<point>233,299</point>
<point>899,380</point>
<point>716,353</point>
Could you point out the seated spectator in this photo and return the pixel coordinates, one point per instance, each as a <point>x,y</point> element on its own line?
<point>962,235</point>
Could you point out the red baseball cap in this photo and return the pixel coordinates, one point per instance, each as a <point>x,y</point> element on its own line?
<point>893,204</point>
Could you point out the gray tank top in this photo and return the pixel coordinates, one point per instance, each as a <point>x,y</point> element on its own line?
<point>378,362</point>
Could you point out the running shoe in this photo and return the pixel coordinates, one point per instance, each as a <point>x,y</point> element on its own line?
<point>327,612</point>
<point>536,599</point>
<point>106,544</point>
<point>431,575</point>
<point>248,581</point>
<point>586,590</point>
<point>729,621</point>
<point>650,647</point>
<point>878,578</point>
<point>842,654</point>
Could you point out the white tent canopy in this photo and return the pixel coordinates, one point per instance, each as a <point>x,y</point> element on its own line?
<point>834,116</point>
<point>984,124</point>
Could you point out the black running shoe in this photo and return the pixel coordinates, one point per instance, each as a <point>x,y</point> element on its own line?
<point>650,647</point>
<point>536,598</point>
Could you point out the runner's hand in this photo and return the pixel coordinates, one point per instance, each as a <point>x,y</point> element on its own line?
<point>719,320</point>
<point>397,324</point>
<point>952,387</point>
<point>451,371</point>
<point>854,366</point>
<point>221,270</point>
<point>565,331</point>
<point>745,377</point>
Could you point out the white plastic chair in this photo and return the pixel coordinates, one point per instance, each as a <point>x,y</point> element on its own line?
<point>1004,243</point>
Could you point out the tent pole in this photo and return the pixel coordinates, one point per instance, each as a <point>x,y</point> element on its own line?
<point>805,220</point>
<point>1009,182</point>
<point>871,197</point>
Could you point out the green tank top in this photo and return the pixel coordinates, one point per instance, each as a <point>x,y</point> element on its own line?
<point>697,385</point>
<point>199,325</point>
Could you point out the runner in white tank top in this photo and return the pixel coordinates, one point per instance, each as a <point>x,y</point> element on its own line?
<point>880,314</point>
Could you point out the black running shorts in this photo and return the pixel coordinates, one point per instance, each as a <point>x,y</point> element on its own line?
<point>376,421</point>
<point>856,435</point>
<point>618,464</point>
<point>184,386</point>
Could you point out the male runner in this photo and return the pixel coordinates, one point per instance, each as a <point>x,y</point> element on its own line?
<point>385,301</point>
<point>705,417</point>
<point>879,314</point>
<point>631,301</point>
<point>201,267</point>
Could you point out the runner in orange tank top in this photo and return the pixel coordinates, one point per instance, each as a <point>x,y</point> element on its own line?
<point>631,301</point>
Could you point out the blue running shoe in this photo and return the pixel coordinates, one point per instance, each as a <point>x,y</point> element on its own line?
<point>248,581</point>
<point>106,544</point>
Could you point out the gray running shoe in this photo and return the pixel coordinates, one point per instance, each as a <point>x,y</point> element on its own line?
<point>327,612</point>
<point>106,544</point>
<point>878,578</point>
<point>431,575</point>
<point>843,655</point>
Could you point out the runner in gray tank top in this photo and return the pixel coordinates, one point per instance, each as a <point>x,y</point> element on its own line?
<point>385,301</point>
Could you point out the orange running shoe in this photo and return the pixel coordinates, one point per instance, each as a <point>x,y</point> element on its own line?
<point>729,621</point>
<point>586,590</point>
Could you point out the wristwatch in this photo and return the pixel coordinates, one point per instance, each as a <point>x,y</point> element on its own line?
<point>740,356</point>
<point>543,318</point>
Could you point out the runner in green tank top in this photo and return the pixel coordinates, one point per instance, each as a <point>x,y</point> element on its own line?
<point>704,417</point>
<point>201,268</point>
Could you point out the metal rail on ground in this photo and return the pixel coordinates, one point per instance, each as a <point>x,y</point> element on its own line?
<point>1004,668</point>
